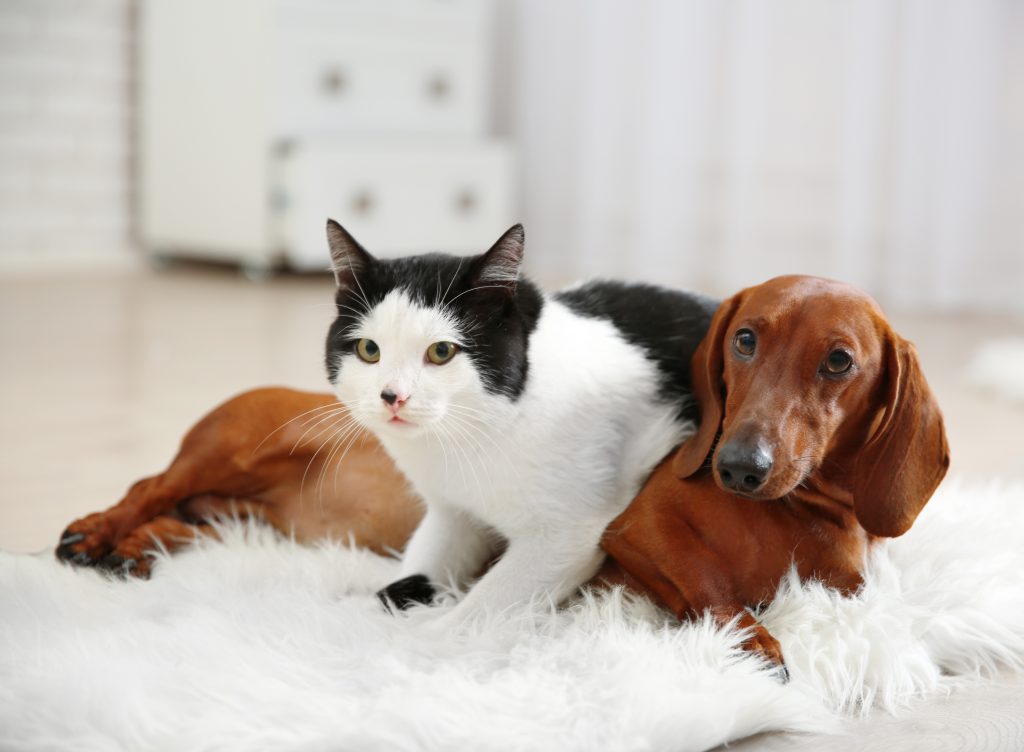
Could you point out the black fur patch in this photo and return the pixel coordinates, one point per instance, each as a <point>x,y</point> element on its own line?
<point>401,594</point>
<point>667,324</point>
<point>496,321</point>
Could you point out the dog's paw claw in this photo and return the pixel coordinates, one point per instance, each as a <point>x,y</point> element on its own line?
<point>83,542</point>
<point>114,563</point>
<point>125,567</point>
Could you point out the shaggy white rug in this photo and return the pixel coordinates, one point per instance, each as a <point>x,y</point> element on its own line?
<point>260,644</point>
<point>997,367</point>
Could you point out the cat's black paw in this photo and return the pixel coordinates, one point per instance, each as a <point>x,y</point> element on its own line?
<point>401,594</point>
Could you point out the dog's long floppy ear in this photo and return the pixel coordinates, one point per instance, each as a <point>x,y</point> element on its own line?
<point>349,260</point>
<point>906,458</point>
<point>706,372</point>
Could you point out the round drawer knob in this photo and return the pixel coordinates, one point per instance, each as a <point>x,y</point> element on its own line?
<point>363,202</point>
<point>466,201</point>
<point>334,81</point>
<point>439,88</point>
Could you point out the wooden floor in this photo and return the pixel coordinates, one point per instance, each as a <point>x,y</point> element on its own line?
<point>102,373</point>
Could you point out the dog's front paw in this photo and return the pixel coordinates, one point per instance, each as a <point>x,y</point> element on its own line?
<point>764,644</point>
<point>401,594</point>
<point>86,541</point>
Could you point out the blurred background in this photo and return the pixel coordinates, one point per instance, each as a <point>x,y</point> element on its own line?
<point>166,167</point>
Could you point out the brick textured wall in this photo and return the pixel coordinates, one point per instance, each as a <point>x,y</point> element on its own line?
<point>65,130</point>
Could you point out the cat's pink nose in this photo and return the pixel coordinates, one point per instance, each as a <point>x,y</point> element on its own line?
<point>393,399</point>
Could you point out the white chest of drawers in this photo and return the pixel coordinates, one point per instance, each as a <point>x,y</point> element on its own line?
<point>261,118</point>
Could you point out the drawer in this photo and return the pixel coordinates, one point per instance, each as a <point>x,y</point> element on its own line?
<point>330,84</point>
<point>382,66</point>
<point>397,198</point>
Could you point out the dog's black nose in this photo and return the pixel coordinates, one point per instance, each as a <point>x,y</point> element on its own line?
<point>743,467</point>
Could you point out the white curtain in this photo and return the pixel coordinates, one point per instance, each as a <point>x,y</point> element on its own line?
<point>714,144</point>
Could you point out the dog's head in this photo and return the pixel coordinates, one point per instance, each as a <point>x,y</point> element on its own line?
<point>802,379</point>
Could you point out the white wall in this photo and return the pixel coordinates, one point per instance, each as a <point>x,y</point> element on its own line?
<point>706,143</point>
<point>65,127</point>
<point>715,143</point>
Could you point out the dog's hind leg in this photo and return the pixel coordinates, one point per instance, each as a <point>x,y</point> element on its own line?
<point>239,449</point>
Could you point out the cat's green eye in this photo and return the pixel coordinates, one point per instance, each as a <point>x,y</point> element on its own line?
<point>440,353</point>
<point>367,350</point>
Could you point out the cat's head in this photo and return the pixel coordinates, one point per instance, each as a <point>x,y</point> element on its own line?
<point>423,341</point>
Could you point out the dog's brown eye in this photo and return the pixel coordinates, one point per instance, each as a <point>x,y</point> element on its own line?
<point>745,342</point>
<point>838,362</point>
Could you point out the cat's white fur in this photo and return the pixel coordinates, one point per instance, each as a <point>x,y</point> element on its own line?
<point>546,472</point>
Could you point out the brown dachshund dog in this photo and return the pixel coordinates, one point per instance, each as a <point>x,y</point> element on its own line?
<point>818,434</point>
<point>293,459</point>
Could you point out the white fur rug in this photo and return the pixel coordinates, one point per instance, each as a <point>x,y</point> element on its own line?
<point>260,644</point>
<point>997,367</point>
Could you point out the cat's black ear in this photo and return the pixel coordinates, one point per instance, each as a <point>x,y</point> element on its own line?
<point>349,260</point>
<point>499,267</point>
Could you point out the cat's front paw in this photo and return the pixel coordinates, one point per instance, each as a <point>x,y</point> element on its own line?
<point>401,594</point>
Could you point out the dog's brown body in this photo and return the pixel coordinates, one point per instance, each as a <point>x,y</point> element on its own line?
<point>288,457</point>
<point>827,462</point>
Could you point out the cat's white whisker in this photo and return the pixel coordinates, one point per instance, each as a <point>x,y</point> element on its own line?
<point>469,424</point>
<point>353,435</point>
<point>460,448</point>
<point>510,465</point>
<point>444,452</point>
<point>362,292</point>
<point>356,312</point>
<point>329,418</point>
<point>444,436</point>
<point>335,441</point>
<point>474,289</point>
<point>335,409</point>
<point>484,465</point>
<point>312,460</point>
<point>478,418</point>
<point>329,406</point>
<point>346,429</point>
<point>309,464</point>
<point>463,456</point>
<point>485,414</point>
<point>442,303</point>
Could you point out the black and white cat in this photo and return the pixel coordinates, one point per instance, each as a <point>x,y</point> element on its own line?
<point>517,416</point>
